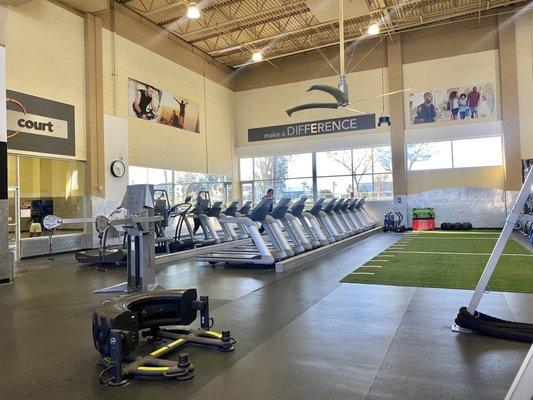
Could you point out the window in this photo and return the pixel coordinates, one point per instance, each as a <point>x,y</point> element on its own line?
<point>336,186</point>
<point>293,166</point>
<point>180,184</point>
<point>332,163</point>
<point>247,169</point>
<point>263,168</point>
<point>366,171</point>
<point>47,186</point>
<point>479,152</point>
<point>294,188</point>
<point>429,155</point>
<point>138,175</point>
<point>460,153</point>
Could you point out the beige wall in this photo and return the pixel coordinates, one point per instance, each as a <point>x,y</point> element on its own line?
<point>158,146</point>
<point>456,71</point>
<point>524,55</point>
<point>266,107</point>
<point>45,56</point>
<point>485,177</point>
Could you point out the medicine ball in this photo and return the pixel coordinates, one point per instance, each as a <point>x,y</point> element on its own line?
<point>446,226</point>
<point>467,226</point>
<point>457,226</point>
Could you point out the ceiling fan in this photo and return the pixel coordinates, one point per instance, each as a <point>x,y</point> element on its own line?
<point>340,93</point>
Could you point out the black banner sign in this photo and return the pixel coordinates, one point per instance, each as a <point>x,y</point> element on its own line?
<point>39,125</point>
<point>322,127</point>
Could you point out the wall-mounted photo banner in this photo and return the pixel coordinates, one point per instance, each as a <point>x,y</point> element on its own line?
<point>39,125</point>
<point>453,104</point>
<point>152,104</point>
<point>322,127</point>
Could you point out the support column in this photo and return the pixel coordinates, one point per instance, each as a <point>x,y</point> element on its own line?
<point>397,128</point>
<point>95,172</point>
<point>509,101</point>
<point>5,266</point>
<point>95,169</point>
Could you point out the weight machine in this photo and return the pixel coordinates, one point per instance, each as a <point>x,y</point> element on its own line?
<point>138,227</point>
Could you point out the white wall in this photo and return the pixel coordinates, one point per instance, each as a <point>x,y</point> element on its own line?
<point>116,148</point>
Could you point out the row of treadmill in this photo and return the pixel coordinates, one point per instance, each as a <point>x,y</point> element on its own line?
<point>277,232</point>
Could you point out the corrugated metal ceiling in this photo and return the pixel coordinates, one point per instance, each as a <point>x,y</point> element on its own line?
<point>230,30</point>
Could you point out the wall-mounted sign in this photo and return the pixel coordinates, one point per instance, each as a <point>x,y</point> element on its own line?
<point>453,104</point>
<point>39,125</point>
<point>152,104</point>
<point>322,127</point>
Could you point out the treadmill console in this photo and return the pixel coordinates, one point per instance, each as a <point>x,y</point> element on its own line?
<point>281,208</point>
<point>329,207</point>
<point>298,207</point>
<point>245,209</point>
<point>261,210</point>
<point>231,209</point>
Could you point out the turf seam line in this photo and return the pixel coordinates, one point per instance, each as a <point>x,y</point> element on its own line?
<point>362,273</point>
<point>458,238</point>
<point>371,266</point>
<point>457,254</point>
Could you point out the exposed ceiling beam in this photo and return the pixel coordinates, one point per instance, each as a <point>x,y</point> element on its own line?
<point>14,3</point>
<point>459,16</point>
<point>285,11</point>
<point>166,7</point>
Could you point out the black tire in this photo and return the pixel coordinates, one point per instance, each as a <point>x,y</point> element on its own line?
<point>446,226</point>
<point>137,311</point>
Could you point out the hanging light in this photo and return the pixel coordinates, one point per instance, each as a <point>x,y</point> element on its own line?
<point>257,56</point>
<point>373,29</point>
<point>193,11</point>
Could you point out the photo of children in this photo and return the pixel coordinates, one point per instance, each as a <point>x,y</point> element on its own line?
<point>458,103</point>
<point>151,104</point>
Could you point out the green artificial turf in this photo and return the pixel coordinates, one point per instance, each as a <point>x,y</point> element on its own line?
<point>407,266</point>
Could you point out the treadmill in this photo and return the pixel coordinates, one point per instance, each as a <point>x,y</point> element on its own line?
<point>273,226</point>
<point>209,235</point>
<point>297,211</point>
<point>275,223</point>
<point>366,215</point>
<point>262,256</point>
<point>227,234</point>
<point>311,224</point>
<point>351,214</point>
<point>321,218</point>
<point>294,226</point>
<point>244,211</point>
<point>326,217</point>
<point>339,210</point>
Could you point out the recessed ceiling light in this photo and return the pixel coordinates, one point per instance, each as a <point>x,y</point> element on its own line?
<point>373,29</point>
<point>257,56</point>
<point>193,11</point>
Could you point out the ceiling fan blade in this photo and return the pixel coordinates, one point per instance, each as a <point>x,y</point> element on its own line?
<point>339,95</point>
<point>354,110</point>
<point>310,106</point>
<point>382,95</point>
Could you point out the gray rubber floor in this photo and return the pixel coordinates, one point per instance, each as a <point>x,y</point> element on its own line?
<point>301,335</point>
